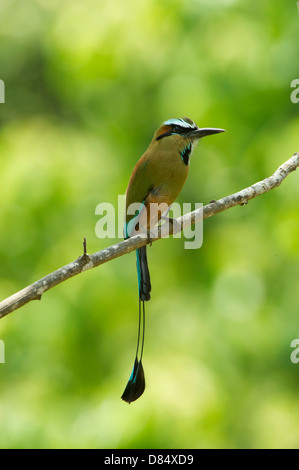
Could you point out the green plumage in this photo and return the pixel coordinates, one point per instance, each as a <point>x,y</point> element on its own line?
<point>159,175</point>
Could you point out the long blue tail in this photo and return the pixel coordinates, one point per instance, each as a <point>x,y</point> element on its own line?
<point>136,383</point>
<point>144,281</point>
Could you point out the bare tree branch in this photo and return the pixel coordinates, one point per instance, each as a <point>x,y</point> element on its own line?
<point>85,262</point>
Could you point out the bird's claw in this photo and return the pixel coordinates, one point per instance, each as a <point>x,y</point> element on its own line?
<point>149,237</point>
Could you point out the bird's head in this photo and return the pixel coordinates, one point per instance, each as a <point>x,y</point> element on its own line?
<point>183,128</point>
<point>181,135</point>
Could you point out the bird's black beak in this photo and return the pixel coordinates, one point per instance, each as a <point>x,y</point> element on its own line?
<point>198,133</point>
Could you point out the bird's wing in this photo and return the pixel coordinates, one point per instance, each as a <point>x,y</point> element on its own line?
<point>145,215</point>
<point>141,194</point>
<point>136,215</point>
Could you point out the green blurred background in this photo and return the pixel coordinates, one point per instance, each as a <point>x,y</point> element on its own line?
<point>87,84</point>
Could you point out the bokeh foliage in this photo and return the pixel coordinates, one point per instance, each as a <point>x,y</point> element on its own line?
<point>87,84</point>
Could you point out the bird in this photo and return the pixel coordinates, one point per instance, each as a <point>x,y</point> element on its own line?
<point>158,177</point>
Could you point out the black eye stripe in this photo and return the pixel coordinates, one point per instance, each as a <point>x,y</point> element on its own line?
<point>175,129</point>
<point>182,130</point>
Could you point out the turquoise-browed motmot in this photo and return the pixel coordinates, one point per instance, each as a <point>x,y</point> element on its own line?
<point>158,177</point>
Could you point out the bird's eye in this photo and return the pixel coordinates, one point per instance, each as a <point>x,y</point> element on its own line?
<point>176,129</point>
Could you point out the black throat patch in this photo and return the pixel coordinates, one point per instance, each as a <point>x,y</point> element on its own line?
<point>185,153</point>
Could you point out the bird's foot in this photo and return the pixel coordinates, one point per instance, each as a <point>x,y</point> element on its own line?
<point>149,237</point>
